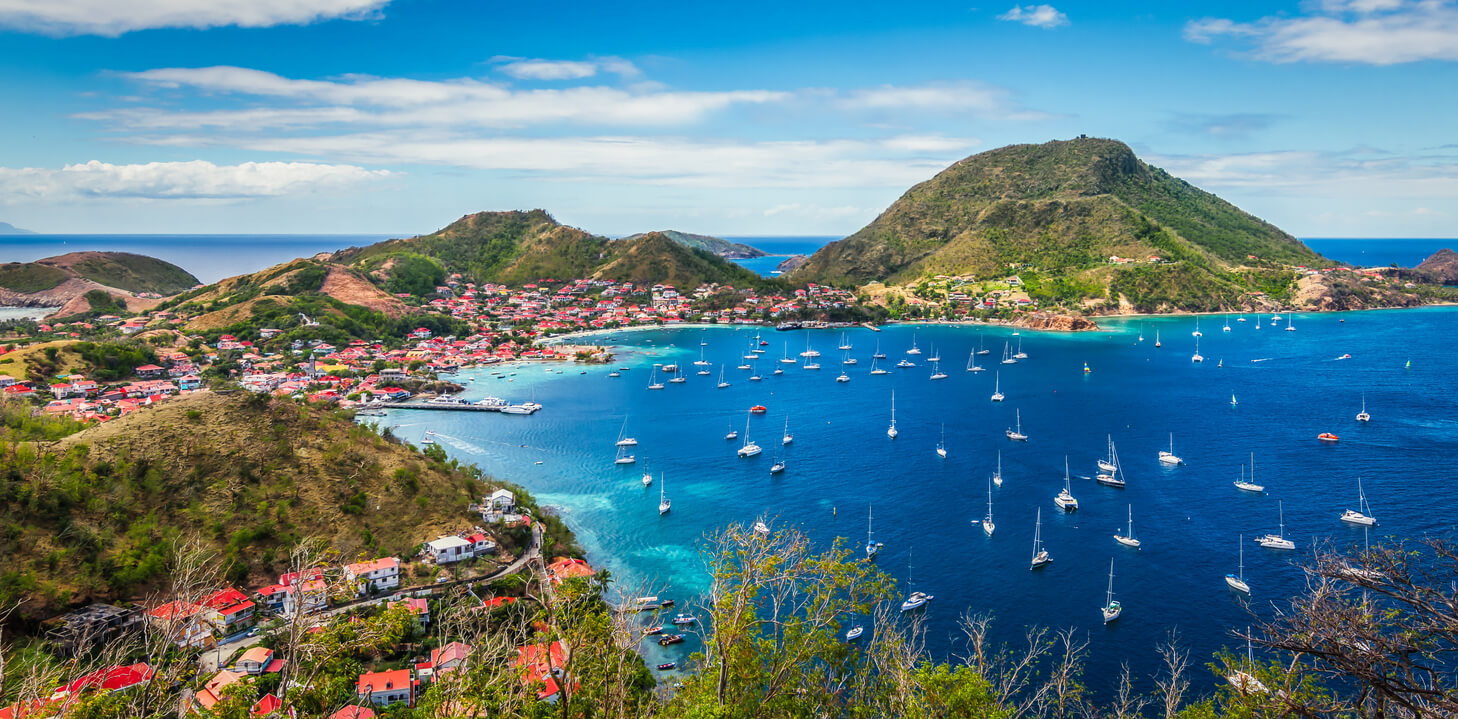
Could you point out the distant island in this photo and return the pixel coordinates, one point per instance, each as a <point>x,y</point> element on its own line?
<point>717,245</point>
<point>8,229</point>
<point>81,281</point>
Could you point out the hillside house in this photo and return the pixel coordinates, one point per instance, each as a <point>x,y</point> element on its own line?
<point>447,550</point>
<point>385,688</point>
<point>374,576</point>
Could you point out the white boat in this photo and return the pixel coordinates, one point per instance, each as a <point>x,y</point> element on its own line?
<point>1251,486</point>
<point>1240,318</point>
<point>623,439</point>
<point>980,349</point>
<point>942,443</point>
<point>722,384</point>
<point>872,547</point>
<point>1170,458</point>
<point>1226,328</point>
<point>705,372</point>
<point>935,356</point>
<point>1279,540</point>
<point>937,372</point>
<point>891,431</point>
<point>987,526</point>
<point>745,366</point>
<point>997,395</point>
<point>1017,435</point>
<point>678,379</point>
<point>1237,581</point>
<point>972,362</point>
<point>732,433</point>
<point>1289,328</point>
<point>855,633</point>
<point>905,363</point>
<point>809,352</point>
<point>1127,538</point>
<point>787,359</point>
<point>1116,477</point>
<point>1362,515</point>
<point>1065,499</point>
<point>1244,682</point>
<point>917,600</point>
<point>1007,357</point>
<point>788,438</point>
<point>845,345</point>
<point>624,457</point>
<point>647,477</point>
<point>615,373</point>
<point>1040,555</point>
<point>701,362</point>
<point>1111,609</point>
<point>749,449</point>
<point>1197,357</point>
<point>1020,354</point>
<point>670,368</point>
<point>761,528</point>
<point>754,376</point>
<point>1107,464</point>
<point>1156,337</point>
<point>997,478</point>
<point>842,377</point>
<point>914,349</point>
<point>811,365</point>
<point>1233,403</point>
<point>663,502</point>
<point>1258,322</point>
<point>653,382</point>
<point>1363,416</point>
<point>778,371</point>
<point>1197,332</point>
<point>427,440</point>
<point>778,466</point>
<point>878,354</point>
<point>877,370</point>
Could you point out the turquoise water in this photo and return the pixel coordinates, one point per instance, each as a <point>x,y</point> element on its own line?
<point>1290,387</point>
<point>779,248</point>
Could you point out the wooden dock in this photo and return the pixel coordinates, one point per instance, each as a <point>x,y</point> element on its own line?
<point>443,407</point>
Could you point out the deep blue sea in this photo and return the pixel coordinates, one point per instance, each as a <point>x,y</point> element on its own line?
<point>1380,253</point>
<point>1290,386</point>
<point>779,248</point>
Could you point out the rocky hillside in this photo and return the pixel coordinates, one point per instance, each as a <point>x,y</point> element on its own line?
<point>64,280</point>
<point>95,514</point>
<point>1443,266</point>
<point>1061,211</point>
<point>717,245</point>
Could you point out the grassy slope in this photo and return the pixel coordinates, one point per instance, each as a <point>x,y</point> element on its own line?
<point>94,517</point>
<point>709,243</point>
<point>126,271</point>
<point>21,360</point>
<point>30,276</point>
<point>1060,207</point>
<point>654,258</point>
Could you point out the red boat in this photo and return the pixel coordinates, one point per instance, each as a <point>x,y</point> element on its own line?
<point>1327,437</point>
<point>667,666</point>
<point>758,409</point>
<point>653,630</point>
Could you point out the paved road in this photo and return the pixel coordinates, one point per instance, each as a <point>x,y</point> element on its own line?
<point>208,663</point>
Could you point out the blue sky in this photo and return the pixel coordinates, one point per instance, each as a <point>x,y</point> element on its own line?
<point>1327,117</point>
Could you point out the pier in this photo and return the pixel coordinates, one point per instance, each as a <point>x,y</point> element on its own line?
<point>462,407</point>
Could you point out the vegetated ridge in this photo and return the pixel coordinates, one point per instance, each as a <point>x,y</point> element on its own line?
<point>1058,213</point>
<point>717,245</point>
<point>95,515</point>
<point>1442,265</point>
<point>64,281</point>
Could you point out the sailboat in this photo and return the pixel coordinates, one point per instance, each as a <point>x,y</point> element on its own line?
<point>980,349</point>
<point>810,363</point>
<point>749,449</point>
<point>1156,338</point>
<point>1289,328</point>
<point>653,382</point>
<point>872,547</point>
<point>1245,682</point>
<point>845,344</point>
<point>942,443</point>
<point>914,349</point>
<point>1170,457</point>
<point>1040,555</point>
<point>1007,357</point>
<point>1233,403</point>
<point>788,438</point>
<point>1111,608</point>
<point>1115,478</point>
<point>1258,321</point>
<point>732,433</point>
<point>987,525</point>
<point>1363,416</point>
<point>623,439</point>
<point>1237,581</point>
<point>754,373</point>
<point>1250,486</point>
<point>1362,515</point>
<point>891,431</point>
<point>1017,434</point>
<point>878,354</point>
<point>846,359</point>
<point>722,383</point>
<point>647,476</point>
<point>624,457</point>
<point>997,395</point>
<point>809,351</point>
<point>1141,331</point>
<point>663,502</point>
<point>1108,465</point>
<point>842,377</point>
<point>1277,541</point>
<point>1020,354</point>
<point>1197,332</point>
<point>937,372</point>
<point>1226,328</point>
<point>917,600</point>
<point>777,466</point>
<point>787,359</point>
<point>1065,499</point>
<point>997,478</point>
<point>972,365</point>
<point>1127,538</point>
<point>701,362</point>
<point>875,369</point>
<point>1197,357</point>
<point>935,356</point>
<point>679,378</point>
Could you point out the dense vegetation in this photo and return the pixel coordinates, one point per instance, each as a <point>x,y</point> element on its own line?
<point>708,243</point>
<point>126,271</point>
<point>29,276</point>
<point>112,361</point>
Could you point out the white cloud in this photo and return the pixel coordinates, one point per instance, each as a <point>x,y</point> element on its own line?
<point>820,212</point>
<point>1044,16</point>
<point>176,180</point>
<point>536,69</point>
<point>116,17</point>
<point>1358,176</point>
<point>986,101</point>
<point>1374,32</point>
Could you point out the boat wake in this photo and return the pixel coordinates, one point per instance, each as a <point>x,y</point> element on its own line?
<point>1263,359</point>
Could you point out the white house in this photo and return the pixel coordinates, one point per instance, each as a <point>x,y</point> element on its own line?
<point>450,549</point>
<point>386,688</point>
<point>502,500</point>
<point>374,576</point>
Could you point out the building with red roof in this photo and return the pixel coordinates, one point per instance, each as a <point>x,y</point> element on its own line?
<point>564,568</point>
<point>386,688</point>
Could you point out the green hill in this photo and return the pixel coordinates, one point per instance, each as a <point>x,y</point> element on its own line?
<point>1058,212</point>
<point>717,245</point>
<point>125,271</point>
<point>517,247</point>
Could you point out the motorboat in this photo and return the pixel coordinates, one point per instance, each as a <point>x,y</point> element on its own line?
<point>1065,499</point>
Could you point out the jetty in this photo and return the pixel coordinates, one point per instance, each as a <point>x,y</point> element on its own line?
<point>500,406</point>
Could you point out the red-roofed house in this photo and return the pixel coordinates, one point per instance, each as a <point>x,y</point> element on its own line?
<point>449,657</point>
<point>212,693</point>
<point>374,576</point>
<point>187,622</point>
<point>354,713</point>
<point>386,688</point>
<point>269,704</point>
<point>532,660</point>
<point>564,568</point>
<point>230,611</point>
<point>255,660</point>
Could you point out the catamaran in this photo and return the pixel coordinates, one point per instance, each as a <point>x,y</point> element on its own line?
<point>914,349</point>
<point>917,600</point>
<point>1040,555</point>
<point>905,363</point>
<point>997,478</point>
<point>1111,608</point>
<point>1197,332</point>
<point>1065,499</point>
<point>1289,328</point>
<point>1226,328</point>
<point>1197,357</point>
<point>663,502</point>
<point>1017,435</point>
<point>809,351</point>
<point>842,377</point>
<point>1020,354</point>
<point>997,395</point>
<point>942,443</point>
<point>810,364</point>
<point>1245,682</point>
<point>1237,581</point>
<point>872,547</point>
<point>701,362</point>
<point>1170,457</point>
<point>891,431</point>
<point>1363,416</point>
<point>1362,515</point>
<point>788,438</point>
<point>722,383</point>
<point>987,525</point>
<point>1127,538</point>
<point>749,449</point>
<point>1279,540</point>
<point>623,439</point>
